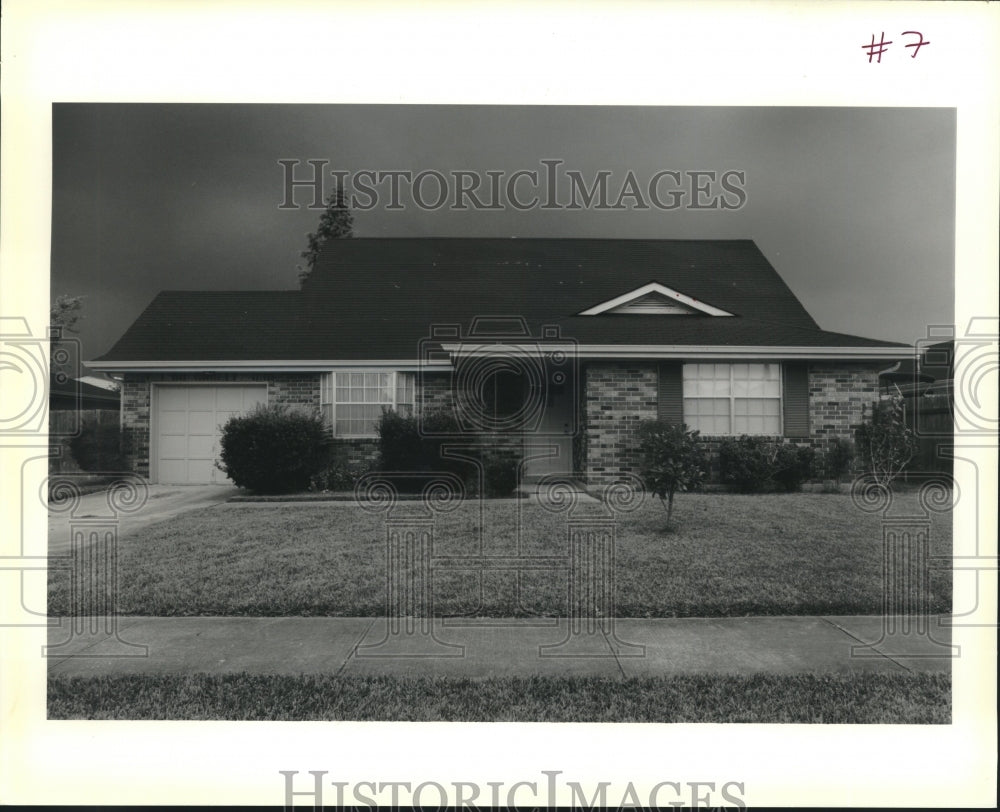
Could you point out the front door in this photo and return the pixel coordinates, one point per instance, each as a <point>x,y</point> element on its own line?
<point>549,449</point>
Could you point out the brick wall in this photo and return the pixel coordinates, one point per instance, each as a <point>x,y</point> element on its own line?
<point>840,398</point>
<point>135,423</point>
<point>434,390</point>
<point>840,395</point>
<point>295,390</point>
<point>617,397</point>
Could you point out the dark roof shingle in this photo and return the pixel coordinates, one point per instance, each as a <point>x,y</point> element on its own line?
<point>377,298</point>
<point>435,278</point>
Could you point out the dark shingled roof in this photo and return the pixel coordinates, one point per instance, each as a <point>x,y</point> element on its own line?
<point>432,279</point>
<point>191,325</point>
<point>377,298</point>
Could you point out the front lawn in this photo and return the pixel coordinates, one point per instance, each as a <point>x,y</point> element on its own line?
<point>862,698</point>
<point>730,555</point>
<point>807,698</point>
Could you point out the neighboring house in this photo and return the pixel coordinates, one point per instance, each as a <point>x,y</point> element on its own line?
<point>926,385</point>
<point>608,332</point>
<point>904,379</point>
<point>100,382</point>
<point>74,402</point>
<point>78,395</point>
<point>930,372</point>
<point>937,361</point>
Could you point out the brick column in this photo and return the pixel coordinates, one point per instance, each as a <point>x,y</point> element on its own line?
<point>618,396</point>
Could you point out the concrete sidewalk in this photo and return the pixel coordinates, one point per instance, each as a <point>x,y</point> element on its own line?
<point>495,647</point>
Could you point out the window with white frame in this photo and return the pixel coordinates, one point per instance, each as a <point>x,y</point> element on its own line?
<point>733,398</point>
<point>352,402</point>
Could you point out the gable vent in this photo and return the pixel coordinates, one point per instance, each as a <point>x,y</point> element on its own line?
<point>654,303</point>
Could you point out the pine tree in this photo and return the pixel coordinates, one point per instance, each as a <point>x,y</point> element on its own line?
<point>336,223</point>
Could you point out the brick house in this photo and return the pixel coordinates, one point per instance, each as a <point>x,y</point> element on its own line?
<point>554,348</point>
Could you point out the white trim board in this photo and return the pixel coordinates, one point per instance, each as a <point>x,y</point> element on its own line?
<point>662,290</point>
<point>625,351</point>
<point>705,352</point>
<point>264,366</point>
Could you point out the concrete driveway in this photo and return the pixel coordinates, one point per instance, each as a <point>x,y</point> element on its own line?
<point>163,502</point>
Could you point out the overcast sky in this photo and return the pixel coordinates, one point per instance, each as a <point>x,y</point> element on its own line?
<point>854,207</point>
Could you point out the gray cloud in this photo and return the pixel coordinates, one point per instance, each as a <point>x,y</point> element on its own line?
<point>853,206</point>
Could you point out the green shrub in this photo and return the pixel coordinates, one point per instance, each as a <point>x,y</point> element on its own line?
<point>413,445</point>
<point>400,447</point>
<point>273,449</point>
<point>753,464</point>
<point>793,466</point>
<point>747,463</point>
<point>500,472</point>
<point>339,473</point>
<point>98,447</point>
<point>672,460</point>
<point>839,458</point>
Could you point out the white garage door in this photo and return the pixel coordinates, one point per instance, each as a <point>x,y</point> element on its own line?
<point>187,426</point>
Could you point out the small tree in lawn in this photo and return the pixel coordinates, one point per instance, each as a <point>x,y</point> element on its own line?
<point>884,443</point>
<point>672,460</point>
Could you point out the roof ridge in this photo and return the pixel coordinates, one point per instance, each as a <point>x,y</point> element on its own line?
<point>556,239</point>
<point>252,291</point>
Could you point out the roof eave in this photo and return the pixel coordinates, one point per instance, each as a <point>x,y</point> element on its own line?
<point>664,352</point>
<point>589,351</point>
<point>268,365</point>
